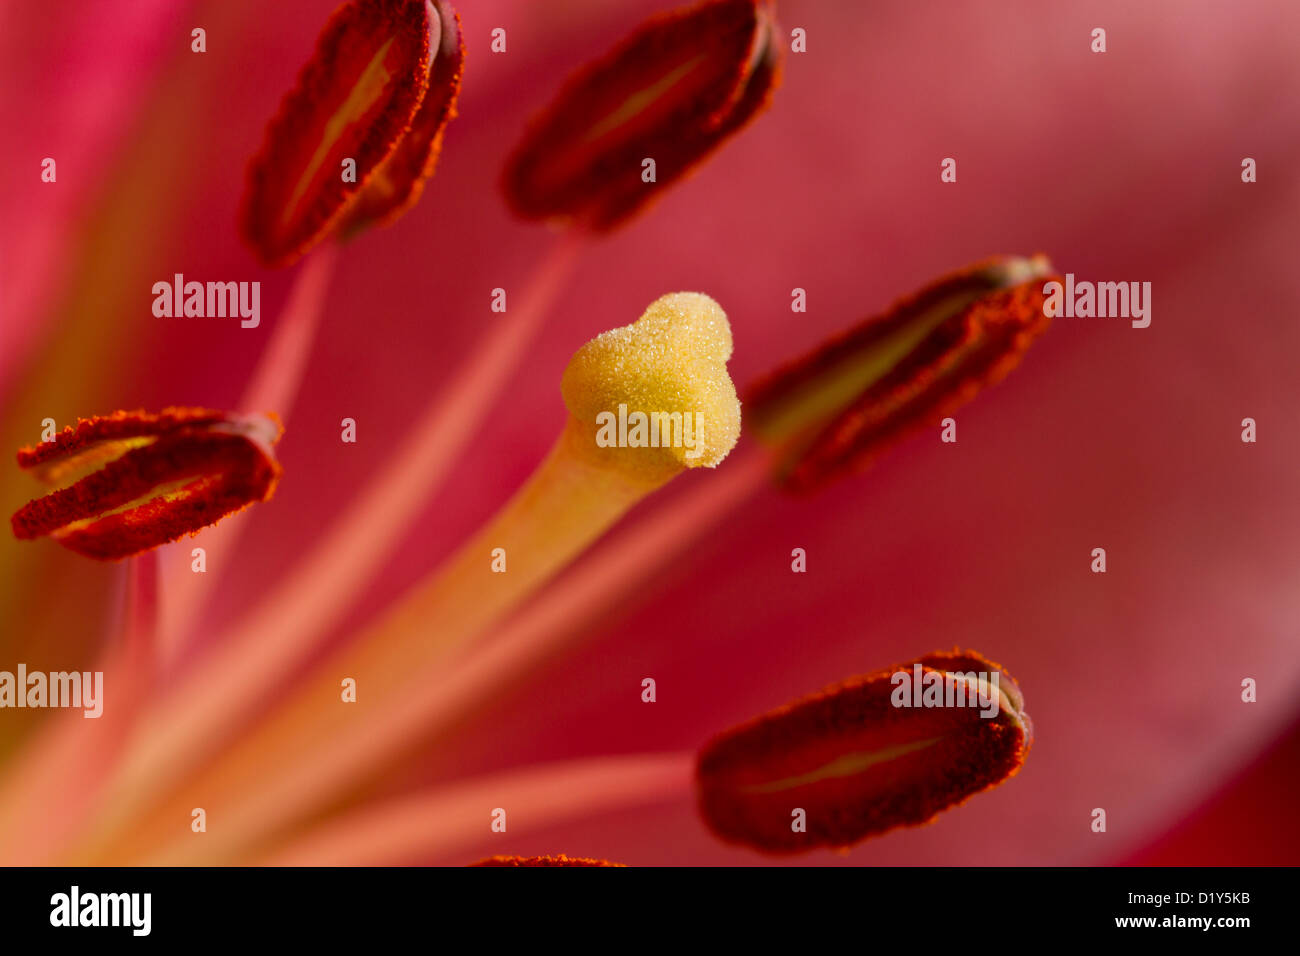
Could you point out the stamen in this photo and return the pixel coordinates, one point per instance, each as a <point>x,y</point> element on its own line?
<point>382,192</point>
<point>674,91</point>
<point>135,481</point>
<point>835,410</point>
<point>865,756</point>
<point>361,98</point>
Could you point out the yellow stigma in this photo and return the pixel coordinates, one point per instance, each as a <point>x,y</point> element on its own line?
<point>659,387</point>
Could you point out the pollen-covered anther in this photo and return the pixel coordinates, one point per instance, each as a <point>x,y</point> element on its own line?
<point>889,749</point>
<point>834,410</point>
<point>354,140</point>
<point>130,481</point>
<point>671,93</point>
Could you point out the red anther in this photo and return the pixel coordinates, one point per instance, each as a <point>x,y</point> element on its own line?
<point>673,91</point>
<point>833,411</point>
<point>856,760</point>
<point>130,481</point>
<point>361,98</point>
<point>396,185</point>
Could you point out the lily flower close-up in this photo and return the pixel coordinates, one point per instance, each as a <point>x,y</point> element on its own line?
<point>650,433</point>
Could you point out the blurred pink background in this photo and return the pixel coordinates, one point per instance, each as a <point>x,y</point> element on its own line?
<point>1122,166</point>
